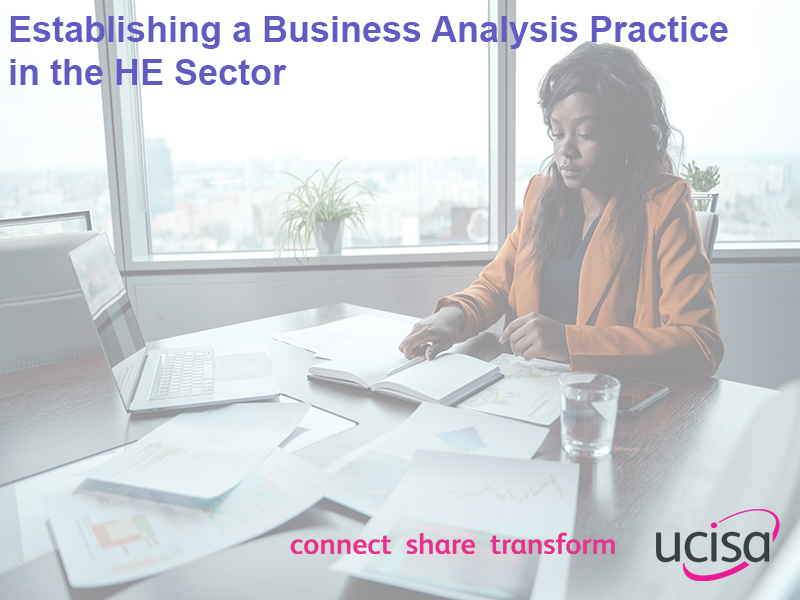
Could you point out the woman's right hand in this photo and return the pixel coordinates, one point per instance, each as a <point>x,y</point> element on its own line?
<point>435,333</point>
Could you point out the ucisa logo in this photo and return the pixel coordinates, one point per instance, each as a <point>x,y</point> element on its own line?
<point>738,547</point>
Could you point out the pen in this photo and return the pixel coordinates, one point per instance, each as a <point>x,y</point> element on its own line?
<point>411,363</point>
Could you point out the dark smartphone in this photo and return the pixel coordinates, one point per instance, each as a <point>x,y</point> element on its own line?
<point>635,394</point>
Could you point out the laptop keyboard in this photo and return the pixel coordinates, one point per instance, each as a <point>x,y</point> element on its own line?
<point>183,374</point>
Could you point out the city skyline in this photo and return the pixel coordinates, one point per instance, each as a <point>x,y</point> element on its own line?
<point>234,205</point>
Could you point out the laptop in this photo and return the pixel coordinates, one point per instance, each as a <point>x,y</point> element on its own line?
<point>163,379</point>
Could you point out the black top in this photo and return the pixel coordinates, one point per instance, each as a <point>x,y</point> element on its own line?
<point>561,276</point>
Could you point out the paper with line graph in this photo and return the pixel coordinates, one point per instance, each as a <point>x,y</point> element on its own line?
<point>110,534</point>
<point>461,496</point>
<point>365,477</point>
<point>203,454</point>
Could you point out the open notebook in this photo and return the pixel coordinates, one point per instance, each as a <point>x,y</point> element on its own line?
<point>446,379</point>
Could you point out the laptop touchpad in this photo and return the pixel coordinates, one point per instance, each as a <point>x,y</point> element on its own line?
<point>242,366</point>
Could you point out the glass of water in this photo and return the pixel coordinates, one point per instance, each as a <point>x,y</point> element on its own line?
<point>588,413</point>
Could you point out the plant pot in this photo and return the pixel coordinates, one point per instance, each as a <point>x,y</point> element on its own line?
<point>329,235</point>
<point>705,202</point>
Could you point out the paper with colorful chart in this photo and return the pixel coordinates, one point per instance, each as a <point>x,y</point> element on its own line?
<point>528,392</point>
<point>26,536</point>
<point>108,534</point>
<point>364,478</point>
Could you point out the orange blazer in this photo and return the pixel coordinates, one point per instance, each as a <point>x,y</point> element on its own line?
<point>667,321</point>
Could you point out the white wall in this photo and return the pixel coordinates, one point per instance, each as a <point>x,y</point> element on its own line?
<point>169,305</point>
<point>758,305</point>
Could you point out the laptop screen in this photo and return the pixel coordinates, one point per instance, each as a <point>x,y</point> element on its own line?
<point>111,310</point>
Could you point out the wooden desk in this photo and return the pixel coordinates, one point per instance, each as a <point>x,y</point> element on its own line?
<point>664,462</point>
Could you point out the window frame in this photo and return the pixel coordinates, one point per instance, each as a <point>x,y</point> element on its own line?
<point>124,133</point>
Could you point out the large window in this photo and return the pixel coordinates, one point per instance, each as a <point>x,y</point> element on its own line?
<point>53,153</point>
<point>734,102</point>
<point>198,171</point>
<point>408,120</point>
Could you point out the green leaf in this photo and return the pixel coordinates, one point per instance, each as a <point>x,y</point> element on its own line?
<point>320,197</point>
<point>701,180</point>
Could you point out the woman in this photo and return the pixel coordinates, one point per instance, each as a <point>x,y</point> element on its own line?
<point>605,268</point>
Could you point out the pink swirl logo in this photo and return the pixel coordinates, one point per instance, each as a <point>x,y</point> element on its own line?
<point>729,542</point>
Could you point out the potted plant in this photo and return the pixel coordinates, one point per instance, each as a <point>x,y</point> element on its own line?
<point>702,181</point>
<point>322,205</point>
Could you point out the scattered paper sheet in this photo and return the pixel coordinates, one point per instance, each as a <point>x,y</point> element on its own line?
<point>23,518</point>
<point>364,478</point>
<point>31,515</point>
<point>465,497</point>
<point>109,538</point>
<point>528,392</point>
<point>317,425</point>
<point>203,454</point>
<point>323,338</point>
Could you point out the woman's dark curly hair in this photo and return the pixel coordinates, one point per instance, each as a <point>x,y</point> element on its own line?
<point>632,106</point>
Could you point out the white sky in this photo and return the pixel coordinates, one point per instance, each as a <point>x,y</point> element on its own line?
<point>396,100</point>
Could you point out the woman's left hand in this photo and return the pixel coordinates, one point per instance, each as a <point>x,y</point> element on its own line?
<point>537,336</point>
